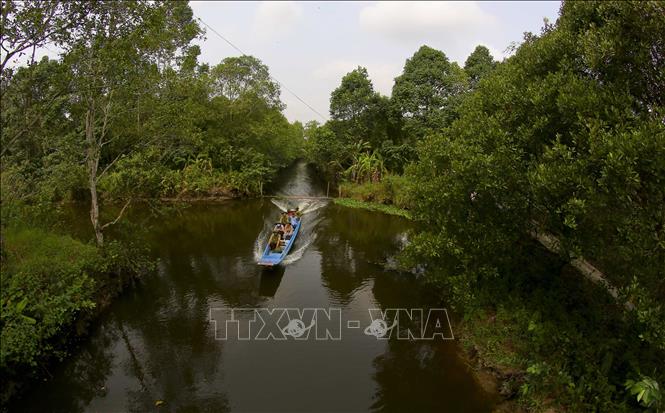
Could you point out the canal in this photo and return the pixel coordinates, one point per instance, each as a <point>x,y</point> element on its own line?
<point>156,349</point>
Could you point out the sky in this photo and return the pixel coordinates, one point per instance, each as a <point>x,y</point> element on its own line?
<point>310,46</point>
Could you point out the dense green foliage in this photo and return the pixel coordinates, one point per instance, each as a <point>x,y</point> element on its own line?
<point>190,131</point>
<point>49,282</point>
<point>46,281</point>
<point>563,141</point>
<point>427,93</point>
<point>478,65</point>
<point>370,136</point>
<point>360,127</point>
<point>125,113</point>
<point>566,137</point>
<point>392,190</point>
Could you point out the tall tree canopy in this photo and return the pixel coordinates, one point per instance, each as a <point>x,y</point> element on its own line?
<point>357,111</point>
<point>240,76</point>
<point>565,138</point>
<point>353,97</point>
<point>31,24</point>
<point>479,63</point>
<point>428,91</point>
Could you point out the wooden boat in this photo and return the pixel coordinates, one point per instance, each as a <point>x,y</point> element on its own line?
<point>272,258</point>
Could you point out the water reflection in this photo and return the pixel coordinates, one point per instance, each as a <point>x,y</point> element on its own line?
<point>270,280</point>
<point>355,242</point>
<point>156,342</point>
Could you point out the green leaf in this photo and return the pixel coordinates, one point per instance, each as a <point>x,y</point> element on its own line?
<point>20,306</point>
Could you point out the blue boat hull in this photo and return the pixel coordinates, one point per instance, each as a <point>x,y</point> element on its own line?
<point>270,259</point>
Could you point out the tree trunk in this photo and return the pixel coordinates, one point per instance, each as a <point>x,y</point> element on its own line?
<point>93,151</point>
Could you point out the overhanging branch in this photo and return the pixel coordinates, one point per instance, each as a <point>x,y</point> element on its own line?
<point>115,221</point>
<point>592,273</point>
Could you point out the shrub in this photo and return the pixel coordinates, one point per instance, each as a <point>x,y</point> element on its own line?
<point>46,282</point>
<point>391,190</point>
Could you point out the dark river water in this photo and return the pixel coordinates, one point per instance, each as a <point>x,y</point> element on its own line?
<point>157,347</point>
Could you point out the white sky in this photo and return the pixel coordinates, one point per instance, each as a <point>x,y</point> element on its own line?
<point>309,46</point>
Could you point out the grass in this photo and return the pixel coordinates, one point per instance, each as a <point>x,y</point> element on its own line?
<point>372,206</point>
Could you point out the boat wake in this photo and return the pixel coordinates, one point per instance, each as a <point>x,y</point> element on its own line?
<point>312,205</point>
<point>280,203</point>
<point>306,236</point>
<point>305,206</point>
<point>298,253</point>
<point>260,244</point>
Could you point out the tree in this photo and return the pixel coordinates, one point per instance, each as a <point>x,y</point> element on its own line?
<point>34,105</point>
<point>31,24</point>
<point>427,92</point>
<point>629,53</point>
<point>240,76</point>
<point>358,113</point>
<point>353,96</point>
<point>109,55</point>
<point>479,63</point>
<point>565,138</point>
<point>325,150</point>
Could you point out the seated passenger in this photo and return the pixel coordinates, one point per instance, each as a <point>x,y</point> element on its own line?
<point>278,228</point>
<point>288,231</point>
<point>284,219</point>
<point>274,241</point>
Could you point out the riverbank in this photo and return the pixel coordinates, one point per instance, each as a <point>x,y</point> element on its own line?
<point>53,287</point>
<point>545,355</point>
<point>373,206</point>
<point>516,346</point>
<point>533,355</point>
<point>389,196</point>
<point>164,323</point>
<point>490,344</point>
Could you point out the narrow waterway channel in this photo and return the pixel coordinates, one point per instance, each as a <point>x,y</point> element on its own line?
<point>155,349</point>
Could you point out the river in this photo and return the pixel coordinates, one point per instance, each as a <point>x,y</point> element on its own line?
<point>156,349</point>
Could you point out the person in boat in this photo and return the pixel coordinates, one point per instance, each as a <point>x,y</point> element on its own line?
<point>275,241</point>
<point>288,231</point>
<point>279,228</point>
<point>284,218</point>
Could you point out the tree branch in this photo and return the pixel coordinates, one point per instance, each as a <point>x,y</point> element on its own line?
<point>109,166</point>
<point>550,242</point>
<point>115,221</point>
<point>32,123</point>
